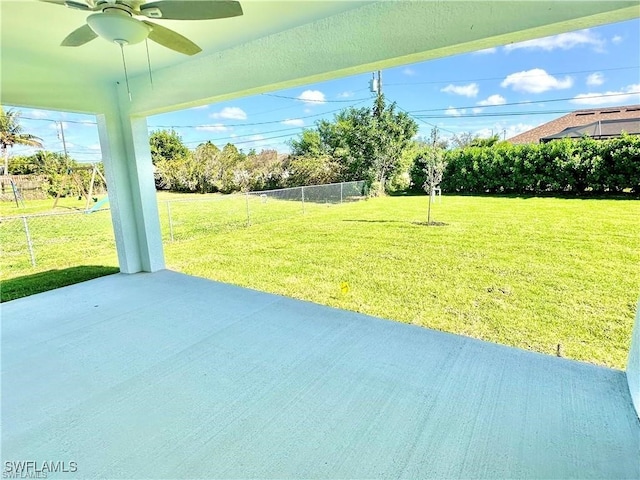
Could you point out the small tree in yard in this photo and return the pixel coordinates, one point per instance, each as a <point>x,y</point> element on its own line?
<point>434,165</point>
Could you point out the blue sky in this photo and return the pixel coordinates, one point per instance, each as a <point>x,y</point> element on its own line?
<point>506,90</point>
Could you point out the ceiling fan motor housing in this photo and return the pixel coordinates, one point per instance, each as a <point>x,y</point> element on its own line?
<point>118,27</point>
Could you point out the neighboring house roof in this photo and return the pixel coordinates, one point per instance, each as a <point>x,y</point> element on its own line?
<point>579,118</point>
<point>599,129</point>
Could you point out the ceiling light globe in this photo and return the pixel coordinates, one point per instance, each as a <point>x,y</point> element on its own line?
<point>118,28</point>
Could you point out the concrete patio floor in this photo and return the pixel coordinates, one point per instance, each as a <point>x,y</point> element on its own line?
<point>165,375</point>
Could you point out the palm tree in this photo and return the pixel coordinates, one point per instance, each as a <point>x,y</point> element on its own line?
<point>11,134</point>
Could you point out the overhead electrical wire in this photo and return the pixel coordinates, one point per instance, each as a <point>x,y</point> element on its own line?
<point>493,114</point>
<point>313,101</point>
<point>533,102</point>
<point>419,115</point>
<point>424,121</point>
<point>436,82</point>
<point>250,124</point>
<point>80,122</point>
<point>246,135</point>
<point>358,102</point>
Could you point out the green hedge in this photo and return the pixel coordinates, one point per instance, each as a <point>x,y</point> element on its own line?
<point>559,166</point>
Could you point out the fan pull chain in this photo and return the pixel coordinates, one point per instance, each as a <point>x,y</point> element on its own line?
<point>126,76</point>
<point>146,42</point>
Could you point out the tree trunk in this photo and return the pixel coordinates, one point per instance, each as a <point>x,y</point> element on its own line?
<point>5,159</point>
<point>429,209</point>
<point>5,171</point>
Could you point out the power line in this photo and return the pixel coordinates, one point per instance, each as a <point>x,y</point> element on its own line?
<point>259,123</point>
<point>246,135</point>
<point>312,101</point>
<point>80,122</point>
<point>494,114</point>
<point>424,121</point>
<point>261,139</point>
<point>530,102</point>
<point>434,82</point>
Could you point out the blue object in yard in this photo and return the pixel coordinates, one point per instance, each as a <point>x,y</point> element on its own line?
<point>98,204</point>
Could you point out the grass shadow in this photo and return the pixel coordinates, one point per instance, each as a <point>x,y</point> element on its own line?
<point>557,195</point>
<point>26,285</point>
<point>431,224</point>
<point>375,221</point>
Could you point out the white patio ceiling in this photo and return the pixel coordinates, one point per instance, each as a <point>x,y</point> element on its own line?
<point>275,44</point>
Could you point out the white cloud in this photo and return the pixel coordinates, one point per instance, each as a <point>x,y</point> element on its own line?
<point>256,138</point>
<point>39,114</point>
<point>517,129</point>
<point>595,79</point>
<point>486,51</point>
<point>234,113</point>
<point>504,131</point>
<point>216,127</point>
<point>535,80</point>
<point>563,41</point>
<point>470,90</point>
<point>307,110</point>
<point>94,146</point>
<point>477,110</point>
<point>294,122</point>
<point>410,72</point>
<point>628,94</point>
<point>493,100</point>
<point>312,96</point>
<point>345,94</point>
<point>616,39</point>
<point>454,112</point>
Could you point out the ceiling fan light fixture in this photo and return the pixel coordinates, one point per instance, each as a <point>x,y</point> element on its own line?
<point>118,28</point>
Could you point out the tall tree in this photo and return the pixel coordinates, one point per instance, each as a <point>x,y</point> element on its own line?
<point>309,144</point>
<point>11,134</point>
<point>166,145</point>
<point>208,165</point>
<point>463,139</point>
<point>368,143</point>
<point>485,142</point>
<point>395,131</point>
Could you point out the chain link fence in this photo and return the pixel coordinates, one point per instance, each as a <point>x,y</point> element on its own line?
<point>65,239</point>
<point>55,240</point>
<point>184,219</point>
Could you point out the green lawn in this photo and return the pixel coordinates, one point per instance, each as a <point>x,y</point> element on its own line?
<point>533,273</point>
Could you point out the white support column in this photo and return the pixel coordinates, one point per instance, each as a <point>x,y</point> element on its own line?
<point>132,194</point>
<point>633,364</point>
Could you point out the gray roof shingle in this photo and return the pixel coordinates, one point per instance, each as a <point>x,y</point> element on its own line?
<point>578,118</point>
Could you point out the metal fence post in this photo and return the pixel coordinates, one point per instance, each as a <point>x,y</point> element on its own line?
<point>246,196</point>
<point>302,190</point>
<point>170,220</point>
<point>29,244</point>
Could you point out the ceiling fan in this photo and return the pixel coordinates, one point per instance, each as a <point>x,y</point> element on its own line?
<point>114,20</point>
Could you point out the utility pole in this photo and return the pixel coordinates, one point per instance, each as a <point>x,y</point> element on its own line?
<point>376,87</point>
<point>64,143</point>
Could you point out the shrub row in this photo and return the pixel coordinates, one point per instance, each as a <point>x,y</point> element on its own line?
<point>559,166</point>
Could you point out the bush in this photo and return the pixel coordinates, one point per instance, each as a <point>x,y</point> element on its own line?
<point>559,166</point>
